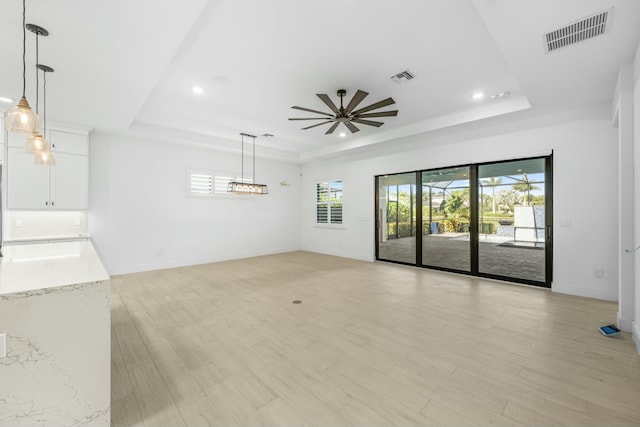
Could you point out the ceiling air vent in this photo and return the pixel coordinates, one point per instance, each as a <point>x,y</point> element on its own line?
<point>404,76</point>
<point>591,26</point>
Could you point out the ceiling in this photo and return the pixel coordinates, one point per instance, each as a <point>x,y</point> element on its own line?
<point>128,67</point>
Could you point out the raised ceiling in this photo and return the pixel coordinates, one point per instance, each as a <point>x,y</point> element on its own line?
<point>128,67</point>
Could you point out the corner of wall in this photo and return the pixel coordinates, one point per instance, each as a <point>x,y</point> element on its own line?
<point>624,323</point>
<point>636,335</point>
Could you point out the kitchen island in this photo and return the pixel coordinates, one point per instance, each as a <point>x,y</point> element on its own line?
<point>54,310</point>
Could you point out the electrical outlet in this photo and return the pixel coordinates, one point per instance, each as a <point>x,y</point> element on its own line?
<point>3,345</point>
<point>78,222</point>
<point>19,223</point>
<point>599,274</point>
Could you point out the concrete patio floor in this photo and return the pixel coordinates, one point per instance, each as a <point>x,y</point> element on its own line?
<point>499,256</point>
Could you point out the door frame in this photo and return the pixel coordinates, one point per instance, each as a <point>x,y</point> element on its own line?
<point>473,222</point>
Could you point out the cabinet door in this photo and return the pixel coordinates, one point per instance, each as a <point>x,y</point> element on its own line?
<point>16,139</point>
<point>69,182</point>
<point>66,142</point>
<point>27,183</point>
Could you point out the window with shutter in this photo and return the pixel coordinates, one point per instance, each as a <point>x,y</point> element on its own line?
<point>329,202</point>
<point>200,184</point>
<point>211,184</point>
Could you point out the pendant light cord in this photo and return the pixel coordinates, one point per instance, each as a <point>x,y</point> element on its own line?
<point>37,74</point>
<point>44,103</point>
<point>242,158</point>
<point>24,47</point>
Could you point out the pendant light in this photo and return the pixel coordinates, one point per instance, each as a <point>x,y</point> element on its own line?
<point>242,187</point>
<point>20,118</point>
<point>45,157</point>
<point>37,142</point>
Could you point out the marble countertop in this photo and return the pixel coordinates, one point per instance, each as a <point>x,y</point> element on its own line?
<point>28,267</point>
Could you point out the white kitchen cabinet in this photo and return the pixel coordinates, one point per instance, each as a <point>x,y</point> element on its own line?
<point>61,187</point>
<point>69,182</point>
<point>67,142</point>
<point>61,141</point>
<point>27,183</point>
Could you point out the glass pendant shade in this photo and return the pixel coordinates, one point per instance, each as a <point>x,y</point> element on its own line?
<point>45,158</point>
<point>21,118</point>
<point>36,143</point>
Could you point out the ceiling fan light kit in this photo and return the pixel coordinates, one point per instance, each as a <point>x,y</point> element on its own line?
<point>347,115</point>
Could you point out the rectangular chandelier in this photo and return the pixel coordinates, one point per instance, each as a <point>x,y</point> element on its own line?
<point>238,187</point>
<point>235,187</point>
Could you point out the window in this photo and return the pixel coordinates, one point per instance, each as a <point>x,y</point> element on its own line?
<point>329,202</point>
<point>209,184</point>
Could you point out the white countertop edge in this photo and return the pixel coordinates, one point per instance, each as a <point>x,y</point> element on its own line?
<point>34,266</point>
<point>44,239</point>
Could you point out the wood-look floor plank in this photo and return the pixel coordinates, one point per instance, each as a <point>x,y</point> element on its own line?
<point>120,383</point>
<point>126,413</point>
<point>371,344</point>
<point>151,392</point>
<point>179,381</point>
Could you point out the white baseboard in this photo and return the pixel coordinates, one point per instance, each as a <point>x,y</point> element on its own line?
<point>162,265</point>
<point>581,291</point>
<point>635,327</point>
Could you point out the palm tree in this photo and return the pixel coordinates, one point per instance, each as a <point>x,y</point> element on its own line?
<point>492,182</point>
<point>524,186</point>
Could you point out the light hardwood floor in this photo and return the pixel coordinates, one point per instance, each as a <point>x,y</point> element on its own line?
<point>371,344</point>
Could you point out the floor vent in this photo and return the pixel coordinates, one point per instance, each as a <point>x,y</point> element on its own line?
<point>591,26</point>
<point>406,75</point>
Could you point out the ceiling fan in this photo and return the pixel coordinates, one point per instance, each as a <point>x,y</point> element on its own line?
<point>348,115</point>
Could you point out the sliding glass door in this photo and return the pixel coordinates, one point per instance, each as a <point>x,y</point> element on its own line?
<point>446,217</point>
<point>512,226</point>
<point>396,237</point>
<point>491,219</point>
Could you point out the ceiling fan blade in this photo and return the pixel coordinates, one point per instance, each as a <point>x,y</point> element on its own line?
<point>379,114</point>
<point>307,118</point>
<point>317,124</point>
<point>325,98</point>
<point>351,127</point>
<point>312,111</point>
<point>357,99</point>
<point>379,104</point>
<point>332,128</point>
<point>368,122</point>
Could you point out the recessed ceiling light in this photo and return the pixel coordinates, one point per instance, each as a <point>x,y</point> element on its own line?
<point>5,99</point>
<point>478,95</point>
<point>342,134</point>
<point>197,90</point>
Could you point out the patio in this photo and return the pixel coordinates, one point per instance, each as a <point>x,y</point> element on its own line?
<point>497,255</point>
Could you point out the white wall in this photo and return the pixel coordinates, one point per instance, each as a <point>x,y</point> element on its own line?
<point>585,187</point>
<point>623,120</point>
<point>141,217</point>
<point>636,213</point>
